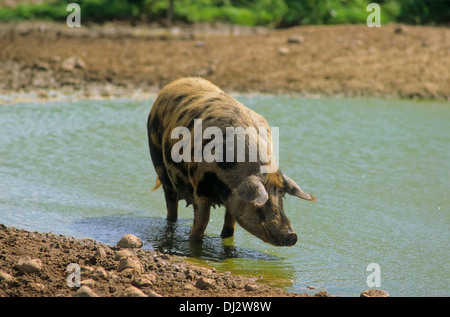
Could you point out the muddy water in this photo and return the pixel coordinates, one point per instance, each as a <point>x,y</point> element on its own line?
<point>380,170</point>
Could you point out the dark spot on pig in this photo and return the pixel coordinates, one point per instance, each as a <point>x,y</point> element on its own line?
<point>184,188</point>
<point>212,187</point>
<point>260,214</point>
<point>178,99</point>
<point>168,153</point>
<point>183,113</point>
<point>156,155</point>
<point>155,123</point>
<point>192,170</point>
<point>226,165</point>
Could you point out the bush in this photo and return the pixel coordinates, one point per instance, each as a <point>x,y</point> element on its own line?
<point>246,12</point>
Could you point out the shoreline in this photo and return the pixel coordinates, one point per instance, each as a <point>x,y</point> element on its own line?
<point>49,60</point>
<point>35,264</point>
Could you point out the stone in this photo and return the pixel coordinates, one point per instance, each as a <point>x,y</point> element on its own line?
<point>28,265</point>
<point>295,39</point>
<point>129,241</point>
<point>133,292</point>
<point>85,291</point>
<point>199,43</point>
<point>251,287</point>
<point>322,294</point>
<point>88,282</point>
<point>37,287</point>
<point>71,63</point>
<point>129,263</point>
<point>6,277</point>
<point>374,293</point>
<point>283,51</point>
<point>144,280</point>
<point>151,293</point>
<point>100,254</point>
<point>123,254</point>
<point>100,273</point>
<point>205,283</point>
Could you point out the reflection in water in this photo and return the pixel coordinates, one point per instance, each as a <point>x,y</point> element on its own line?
<point>170,238</point>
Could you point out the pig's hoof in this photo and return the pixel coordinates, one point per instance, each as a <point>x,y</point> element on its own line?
<point>195,238</point>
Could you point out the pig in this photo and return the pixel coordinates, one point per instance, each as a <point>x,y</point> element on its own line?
<point>251,198</point>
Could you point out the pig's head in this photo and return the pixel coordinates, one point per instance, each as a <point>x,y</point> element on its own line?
<point>257,205</point>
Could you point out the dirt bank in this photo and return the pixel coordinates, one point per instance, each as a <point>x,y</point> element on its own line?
<point>35,264</point>
<point>121,61</point>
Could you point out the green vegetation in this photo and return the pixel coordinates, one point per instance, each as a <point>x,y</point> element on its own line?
<point>278,13</point>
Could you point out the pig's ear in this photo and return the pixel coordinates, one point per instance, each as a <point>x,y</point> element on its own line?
<point>292,189</point>
<point>252,190</point>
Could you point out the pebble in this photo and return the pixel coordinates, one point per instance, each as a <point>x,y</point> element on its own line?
<point>100,254</point>
<point>73,62</point>
<point>129,241</point>
<point>205,283</point>
<point>199,43</point>
<point>37,287</point>
<point>251,287</point>
<point>374,293</point>
<point>6,277</point>
<point>151,293</point>
<point>28,265</point>
<point>85,291</point>
<point>133,292</point>
<point>123,254</point>
<point>129,263</point>
<point>295,39</point>
<point>100,273</point>
<point>283,51</point>
<point>88,282</point>
<point>144,280</point>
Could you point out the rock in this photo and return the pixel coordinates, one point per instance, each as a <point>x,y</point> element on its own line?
<point>283,51</point>
<point>39,65</point>
<point>133,292</point>
<point>374,293</point>
<point>100,254</point>
<point>129,263</point>
<point>71,63</point>
<point>36,287</point>
<point>199,43</point>
<point>100,273</point>
<point>322,294</point>
<point>205,283</point>
<point>251,287</point>
<point>189,287</point>
<point>88,282</point>
<point>295,39</point>
<point>144,280</point>
<point>28,265</point>
<point>123,254</point>
<point>6,277</point>
<point>85,291</point>
<point>399,29</point>
<point>129,241</point>
<point>151,293</point>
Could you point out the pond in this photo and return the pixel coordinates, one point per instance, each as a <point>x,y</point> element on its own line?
<point>380,170</point>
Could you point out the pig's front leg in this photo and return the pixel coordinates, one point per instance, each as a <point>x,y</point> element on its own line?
<point>202,208</point>
<point>228,225</point>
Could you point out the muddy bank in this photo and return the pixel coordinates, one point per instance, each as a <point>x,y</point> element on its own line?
<point>36,264</point>
<point>48,60</point>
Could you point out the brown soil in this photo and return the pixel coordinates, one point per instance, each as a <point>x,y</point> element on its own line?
<point>149,272</point>
<point>121,61</point>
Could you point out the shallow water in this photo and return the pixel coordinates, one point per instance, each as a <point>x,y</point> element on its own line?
<point>380,170</point>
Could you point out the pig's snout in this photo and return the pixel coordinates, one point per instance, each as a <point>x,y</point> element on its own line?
<point>290,239</point>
